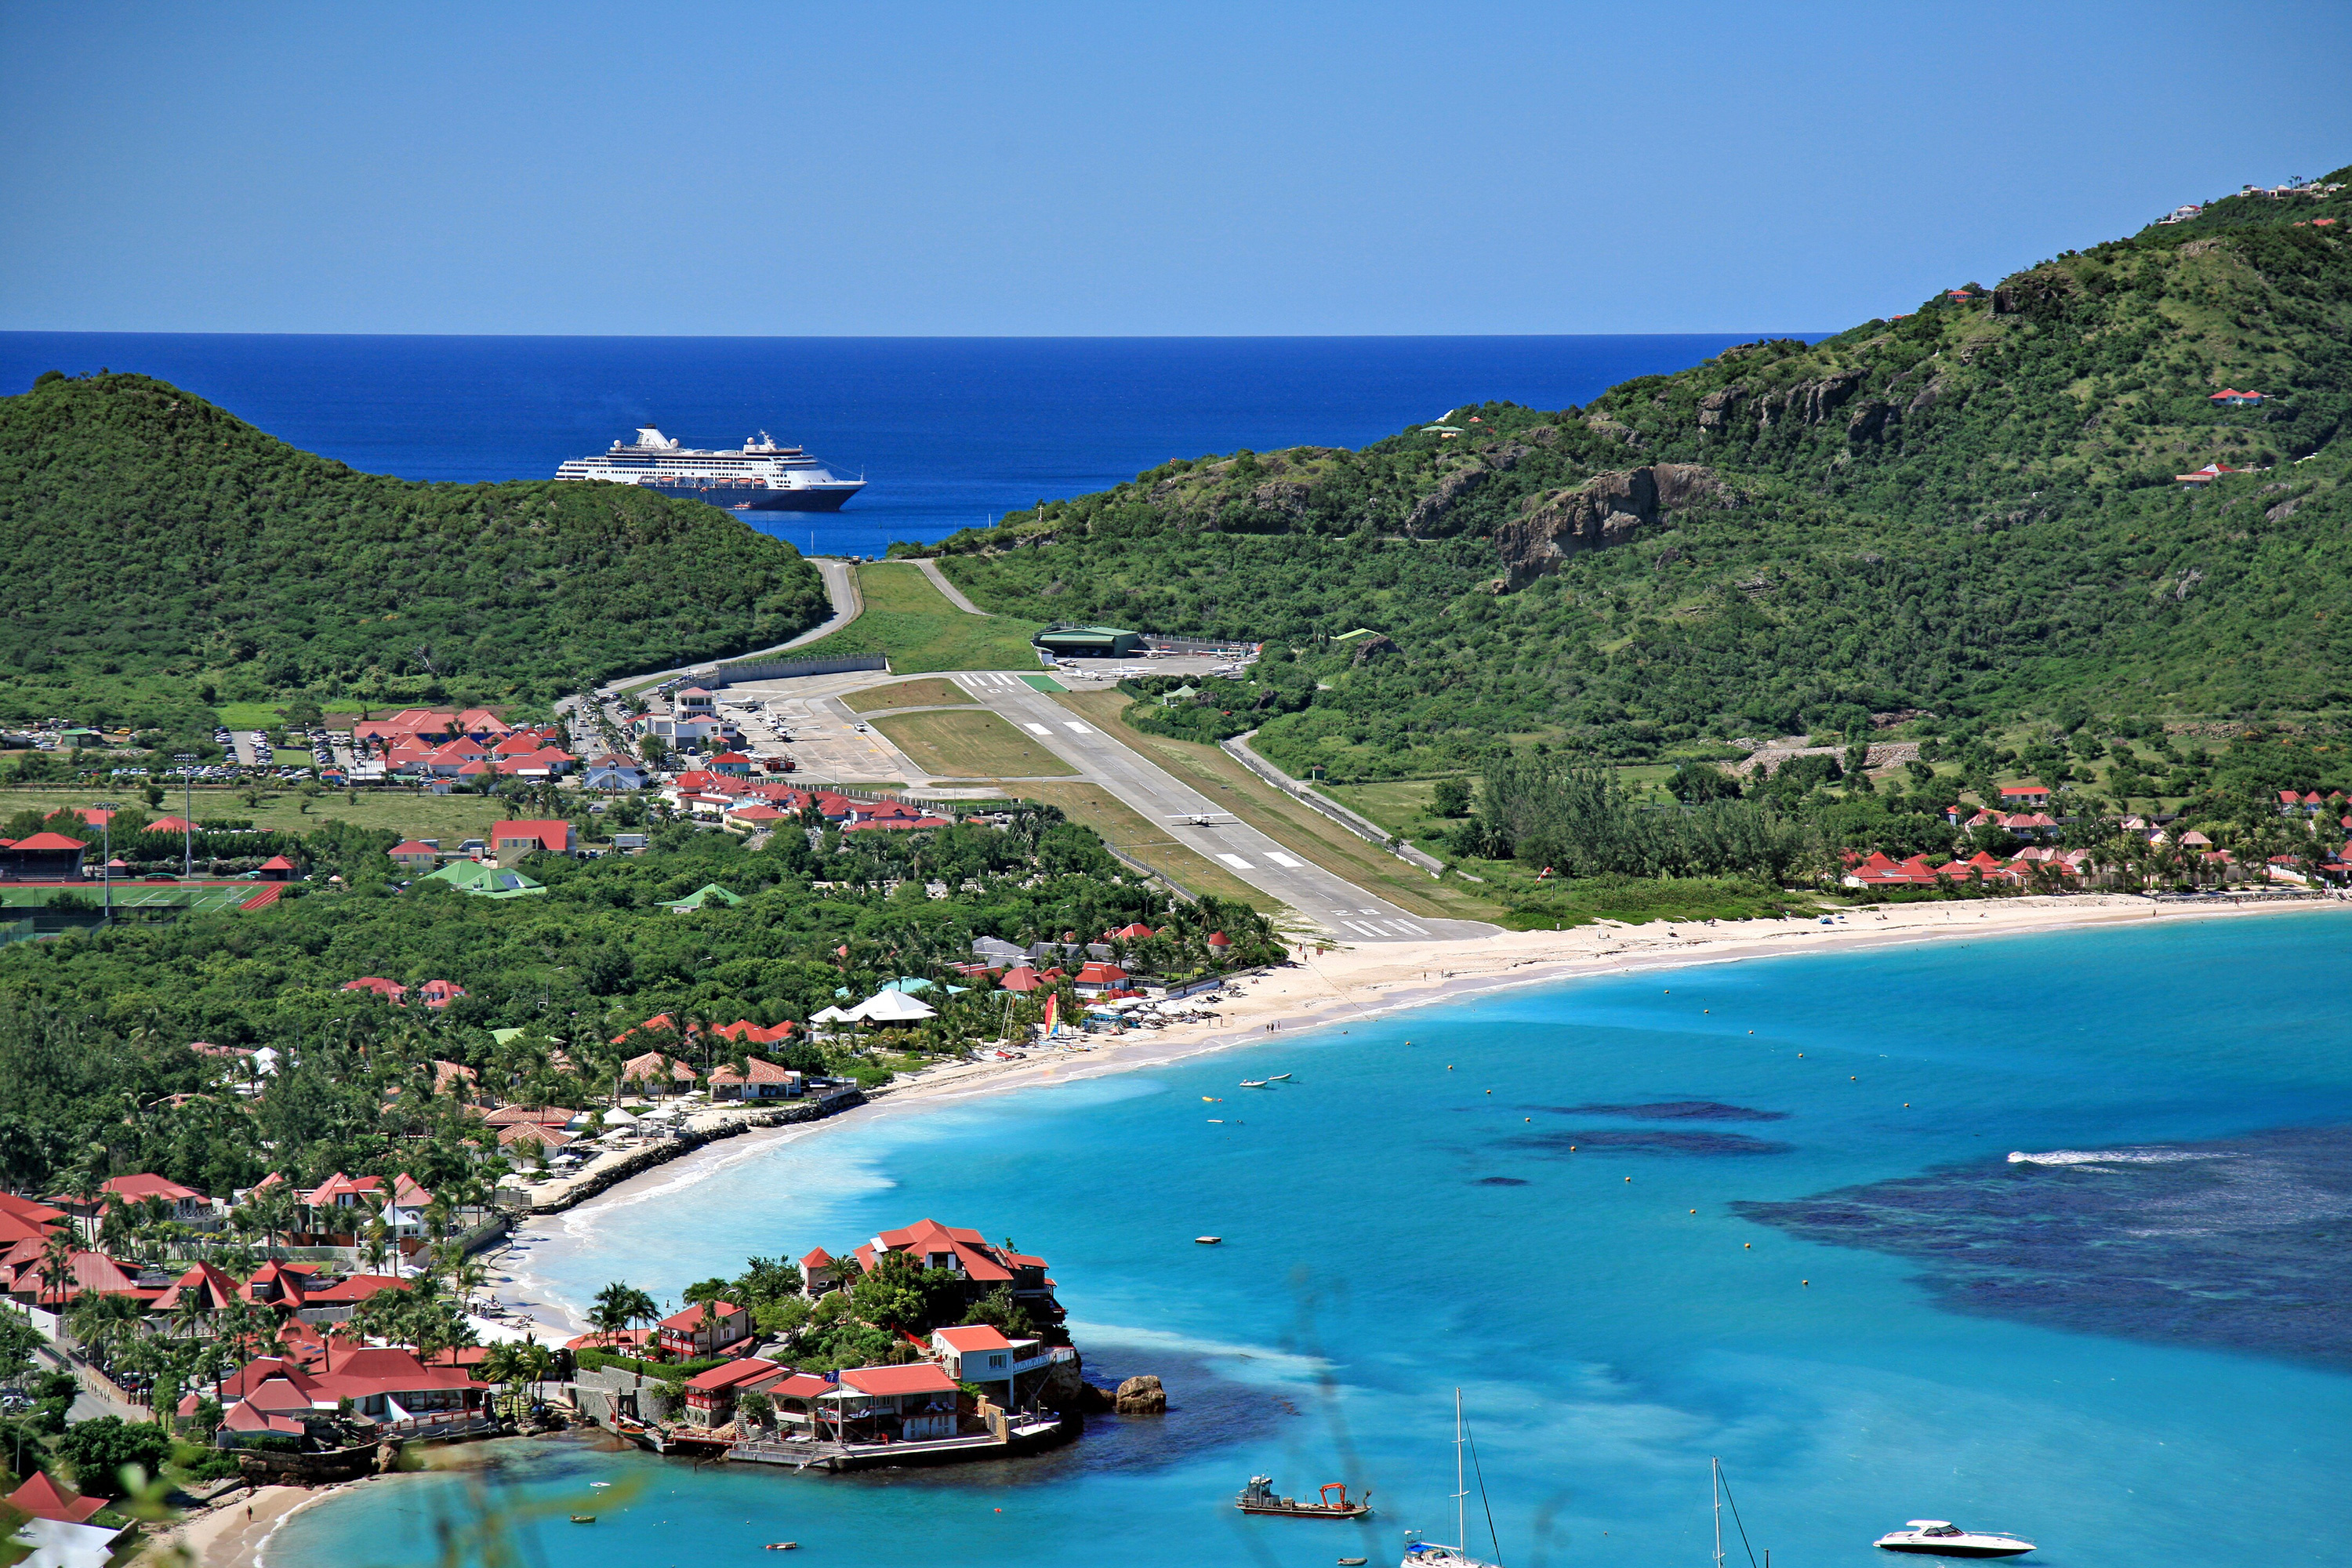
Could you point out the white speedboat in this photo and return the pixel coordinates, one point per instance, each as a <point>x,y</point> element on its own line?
<point>1942,1538</point>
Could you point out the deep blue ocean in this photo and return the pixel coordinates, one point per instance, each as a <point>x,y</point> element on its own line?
<point>949,433</point>
<point>1762,1212</point>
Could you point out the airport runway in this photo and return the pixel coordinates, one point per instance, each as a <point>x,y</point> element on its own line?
<point>1201,824</point>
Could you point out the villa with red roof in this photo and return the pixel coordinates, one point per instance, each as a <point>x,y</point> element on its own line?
<point>695,1333</point>
<point>984,1266</point>
<point>385,1385</point>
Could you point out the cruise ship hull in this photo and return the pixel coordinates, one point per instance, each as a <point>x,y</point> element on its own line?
<point>761,498</point>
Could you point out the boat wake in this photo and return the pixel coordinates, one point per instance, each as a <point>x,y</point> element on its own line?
<point>2113,1157</point>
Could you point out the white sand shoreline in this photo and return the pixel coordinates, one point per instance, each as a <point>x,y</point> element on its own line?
<point>1361,984</point>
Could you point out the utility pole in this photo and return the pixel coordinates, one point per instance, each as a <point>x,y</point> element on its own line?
<point>106,857</point>
<point>187,761</point>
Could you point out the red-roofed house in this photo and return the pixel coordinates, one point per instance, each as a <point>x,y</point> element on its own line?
<point>24,1277</point>
<point>440,993</point>
<point>928,1244</point>
<point>1219,941</point>
<point>2231,397</point>
<point>44,1499</point>
<point>695,1333</point>
<point>2025,794</point>
<point>899,1403</point>
<point>819,1272</point>
<point>1094,979</point>
<point>203,1290</point>
<point>710,1395</point>
<point>529,837</point>
<point>2204,476</point>
<point>733,764</point>
<point>392,991</point>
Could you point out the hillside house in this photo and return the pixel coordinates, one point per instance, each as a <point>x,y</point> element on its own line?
<point>911,1404</point>
<point>705,1329</point>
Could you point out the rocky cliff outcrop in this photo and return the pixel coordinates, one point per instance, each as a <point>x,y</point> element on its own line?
<point>1605,510</point>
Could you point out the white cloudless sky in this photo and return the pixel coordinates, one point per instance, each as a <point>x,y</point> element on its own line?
<point>1106,168</point>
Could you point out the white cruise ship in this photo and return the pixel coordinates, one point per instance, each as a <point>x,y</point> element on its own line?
<point>762,477</point>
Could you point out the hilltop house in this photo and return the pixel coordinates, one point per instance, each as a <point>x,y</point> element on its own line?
<point>983,1266</point>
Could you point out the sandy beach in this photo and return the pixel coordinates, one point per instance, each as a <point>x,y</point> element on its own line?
<point>1330,989</point>
<point>233,1534</point>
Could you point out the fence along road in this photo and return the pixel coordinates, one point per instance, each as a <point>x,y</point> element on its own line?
<point>1339,907</point>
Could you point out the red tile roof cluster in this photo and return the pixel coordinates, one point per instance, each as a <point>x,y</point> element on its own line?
<point>931,1245</point>
<point>754,1034</point>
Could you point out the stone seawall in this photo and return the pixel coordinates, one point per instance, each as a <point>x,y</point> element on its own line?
<point>582,1188</point>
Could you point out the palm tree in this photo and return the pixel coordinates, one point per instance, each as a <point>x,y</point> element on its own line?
<point>57,1266</point>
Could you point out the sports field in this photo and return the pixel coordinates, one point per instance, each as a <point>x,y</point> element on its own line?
<point>978,744</point>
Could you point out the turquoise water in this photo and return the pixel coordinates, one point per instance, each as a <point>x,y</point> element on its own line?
<point>1394,1230</point>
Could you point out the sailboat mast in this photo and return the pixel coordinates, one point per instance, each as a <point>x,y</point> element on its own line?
<point>1461,1518</point>
<point>1715,1472</point>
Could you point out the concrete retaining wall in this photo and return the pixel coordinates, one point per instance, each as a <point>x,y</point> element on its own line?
<point>789,669</point>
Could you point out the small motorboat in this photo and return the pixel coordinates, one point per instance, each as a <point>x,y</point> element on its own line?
<point>1276,1076</point>
<point>584,1519</point>
<point>1942,1538</point>
<point>1352,1563</point>
<point>1208,1241</point>
<point>1253,1083</point>
<point>784,1546</point>
<point>1259,1497</point>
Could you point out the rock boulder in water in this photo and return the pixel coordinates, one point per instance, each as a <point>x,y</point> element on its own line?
<point>1141,1396</point>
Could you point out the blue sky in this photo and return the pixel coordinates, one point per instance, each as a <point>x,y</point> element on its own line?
<point>1106,168</point>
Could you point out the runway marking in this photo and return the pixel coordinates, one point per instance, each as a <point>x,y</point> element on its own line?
<point>1285,861</point>
<point>1077,729</point>
<point>1408,925</point>
<point>1040,728</point>
<point>1236,862</point>
<point>1367,930</point>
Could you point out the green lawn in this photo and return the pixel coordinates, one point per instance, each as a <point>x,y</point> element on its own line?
<point>976,745</point>
<point>449,817</point>
<point>909,694</point>
<point>907,621</point>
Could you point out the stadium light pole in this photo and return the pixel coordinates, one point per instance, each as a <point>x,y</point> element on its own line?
<point>106,857</point>
<point>187,812</point>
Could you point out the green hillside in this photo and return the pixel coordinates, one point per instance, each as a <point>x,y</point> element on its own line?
<point>1968,512</point>
<point>166,557</point>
